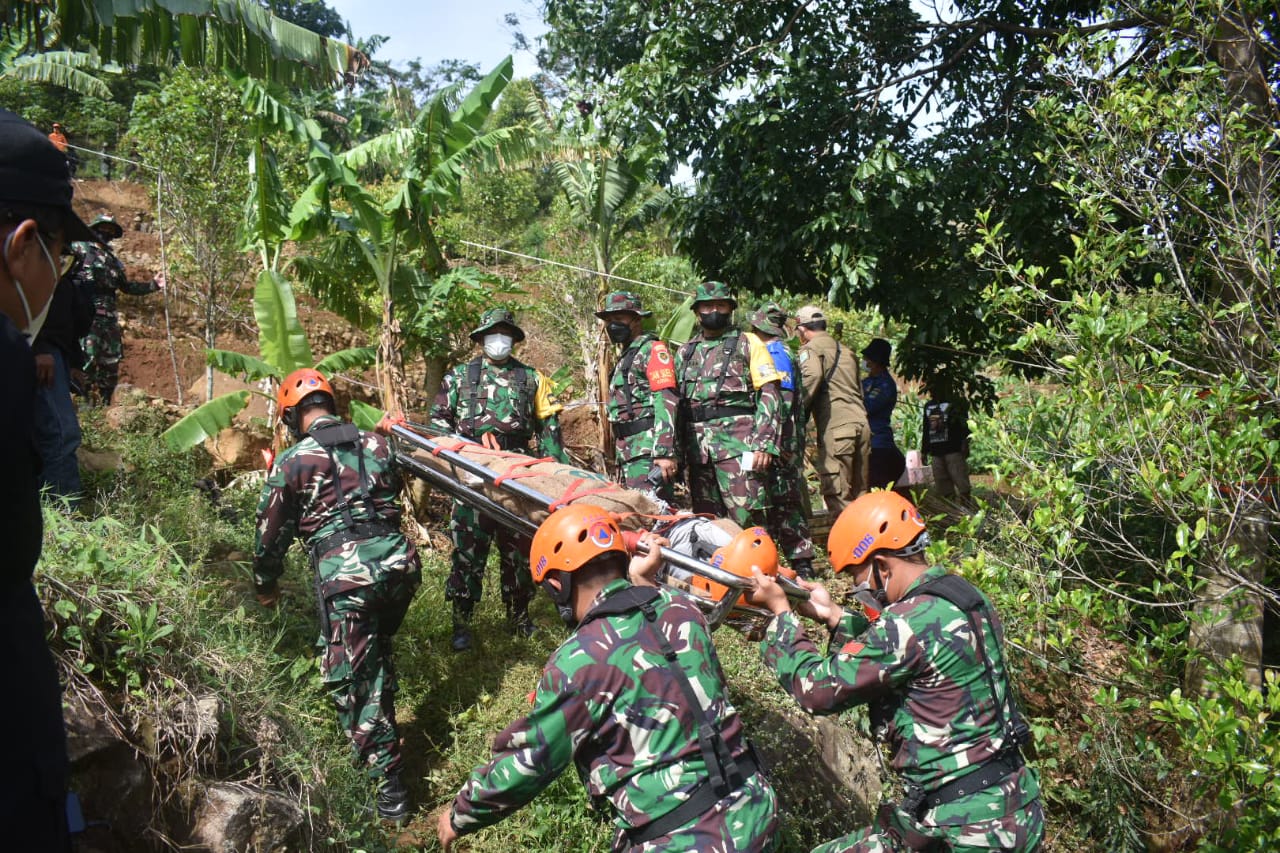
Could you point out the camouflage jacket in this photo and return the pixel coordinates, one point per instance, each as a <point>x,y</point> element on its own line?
<point>101,274</point>
<point>511,400</point>
<point>300,499</point>
<point>731,398</point>
<point>608,703</point>
<point>919,667</point>
<point>643,387</point>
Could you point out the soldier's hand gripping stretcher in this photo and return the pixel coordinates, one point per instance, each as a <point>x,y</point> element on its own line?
<point>704,559</point>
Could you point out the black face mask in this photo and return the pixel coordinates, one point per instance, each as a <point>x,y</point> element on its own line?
<point>619,333</point>
<point>713,320</point>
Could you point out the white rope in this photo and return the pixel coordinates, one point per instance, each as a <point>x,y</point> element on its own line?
<point>538,260</point>
<point>107,156</point>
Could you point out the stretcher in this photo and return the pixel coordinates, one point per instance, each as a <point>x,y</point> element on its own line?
<point>711,559</point>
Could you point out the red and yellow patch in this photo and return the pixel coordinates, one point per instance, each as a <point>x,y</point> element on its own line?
<point>660,371</point>
<point>852,647</point>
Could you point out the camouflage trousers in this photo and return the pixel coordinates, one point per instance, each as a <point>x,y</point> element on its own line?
<point>103,349</point>
<point>789,510</point>
<point>723,489</point>
<point>964,826</point>
<point>746,820</point>
<point>357,667</point>
<point>472,532</point>
<point>633,474</point>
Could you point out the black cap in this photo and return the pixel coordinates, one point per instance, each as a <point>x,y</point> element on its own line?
<point>878,351</point>
<point>34,172</point>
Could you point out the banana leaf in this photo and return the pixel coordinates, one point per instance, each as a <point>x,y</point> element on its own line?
<point>248,367</point>
<point>356,358</point>
<point>205,422</point>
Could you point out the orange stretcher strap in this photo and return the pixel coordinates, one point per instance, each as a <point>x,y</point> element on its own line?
<point>513,474</point>
<point>571,494</point>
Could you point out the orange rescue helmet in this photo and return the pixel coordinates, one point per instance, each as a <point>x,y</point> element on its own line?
<point>300,384</point>
<point>571,537</point>
<point>751,547</point>
<point>877,521</point>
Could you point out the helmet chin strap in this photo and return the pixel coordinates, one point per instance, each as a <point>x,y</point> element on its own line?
<point>881,594</point>
<point>561,594</point>
<point>291,418</point>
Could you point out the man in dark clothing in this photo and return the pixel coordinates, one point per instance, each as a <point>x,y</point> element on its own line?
<point>36,223</point>
<point>880,395</point>
<point>945,437</point>
<point>58,361</point>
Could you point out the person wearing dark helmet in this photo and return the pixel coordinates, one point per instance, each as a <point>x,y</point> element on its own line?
<point>879,395</point>
<point>926,654</point>
<point>37,223</point>
<point>100,274</point>
<point>338,490</point>
<point>635,698</point>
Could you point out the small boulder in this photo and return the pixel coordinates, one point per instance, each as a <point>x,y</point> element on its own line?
<point>244,818</point>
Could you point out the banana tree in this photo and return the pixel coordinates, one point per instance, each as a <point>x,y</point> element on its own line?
<point>611,191</point>
<point>282,341</point>
<point>233,34</point>
<point>68,69</point>
<point>389,234</point>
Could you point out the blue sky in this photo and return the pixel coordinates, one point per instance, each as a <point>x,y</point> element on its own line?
<point>471,30</point>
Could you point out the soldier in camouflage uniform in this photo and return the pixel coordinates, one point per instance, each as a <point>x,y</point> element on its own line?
<point>503,403</point>
<point>635,699</point>
<point>642,398</point>
<point>788,494</point>
<point>730,419</point>
<point>338,490</point>
<point>100,274</point>
<point>929,662</point>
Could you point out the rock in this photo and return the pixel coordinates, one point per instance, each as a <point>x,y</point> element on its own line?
<point>243,818</point>
<point>239,447</point>
<point>113,783</point>
<point>99,460</point>
<point>223,384</point>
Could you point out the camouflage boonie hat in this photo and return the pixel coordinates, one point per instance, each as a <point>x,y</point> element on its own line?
<point>497,317</point>
<point>762,319</point>
<point>774,312</point>
<point>107,222</point>
<point>711,290</point>
<point>619,301</point>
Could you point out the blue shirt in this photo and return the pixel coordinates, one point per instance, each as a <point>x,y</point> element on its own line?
<point>782,362</point>
<point>880,394</point>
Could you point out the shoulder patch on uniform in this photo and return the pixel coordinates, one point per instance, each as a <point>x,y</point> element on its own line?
<point>659,371</point>
<point>804,356</point>
<point>852,647</point>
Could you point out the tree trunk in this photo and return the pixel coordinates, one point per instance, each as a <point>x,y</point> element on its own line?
<point>1230,596</point>
<point>390,364</point>
<point>210,341</point>
<point>436,367</point>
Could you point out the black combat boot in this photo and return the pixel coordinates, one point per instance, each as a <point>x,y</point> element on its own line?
<point>393,799</point>
<point>803,568</point>
<point>461,636</point>
<point>520,625</point>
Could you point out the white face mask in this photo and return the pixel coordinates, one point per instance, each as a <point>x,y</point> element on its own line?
<point>34,324</point>
<point>498,346</point>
